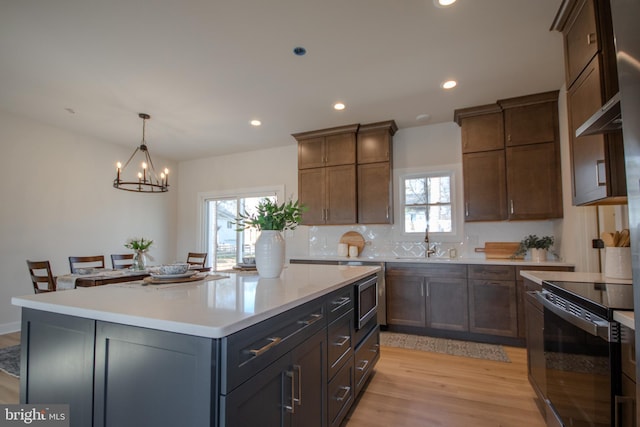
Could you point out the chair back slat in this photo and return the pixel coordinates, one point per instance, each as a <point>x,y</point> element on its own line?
<point>40,272</point>
<point>76,262</point>
<point>121,261</point>
<point>197,258</point>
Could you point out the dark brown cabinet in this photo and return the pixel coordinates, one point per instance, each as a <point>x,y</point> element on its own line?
<point>327,147</point>
<point>433,297</point>
<point>511,159</point>
<point>485,190</point>
<point>329,194</point>
<point>493,303</point>
<point>375,180</point>
<point>597,161</point>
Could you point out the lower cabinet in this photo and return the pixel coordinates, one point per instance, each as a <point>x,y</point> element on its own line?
<point>493,307</point>
<point>535,348</point>
<point>289,392</point>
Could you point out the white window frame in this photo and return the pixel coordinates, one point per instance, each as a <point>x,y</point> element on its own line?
<point>454,172</point>
<point>204,197</point>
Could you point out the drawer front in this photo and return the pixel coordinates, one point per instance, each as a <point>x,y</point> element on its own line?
<point>458,271</point>
<point>248,351</point>
<point>340,302</point>
<point>340,394</point>
<point>367,356</point>
<point>491,272</point>
<point>340,337</point>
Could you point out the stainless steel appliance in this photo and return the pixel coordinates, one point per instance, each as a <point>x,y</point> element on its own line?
<point>366,307</point>
<point>582,351</point>
<point>382,297</point>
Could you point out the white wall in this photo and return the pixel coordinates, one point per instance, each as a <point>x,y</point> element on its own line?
<point>58,201</point>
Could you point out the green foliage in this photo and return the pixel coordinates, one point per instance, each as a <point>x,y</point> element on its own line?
<point>534,242</point>
<point>137,244</point>
<point>271,216</point>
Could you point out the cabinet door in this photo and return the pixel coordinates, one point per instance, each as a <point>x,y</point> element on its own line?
<point>482,133</point>
<point>485,192</point>
<point>340,199</point>
<point>374,193</point>
<point>587,152</point>
<point>447,304</point>
<point>534,181</point>
<point>311,153</point>
<point>374,146</point>
<point>493,307</point>
<point>311,193</point>
<point>535,346</point>
<point>340,149</point>
<point>406,303</point>
<point>531,124</point>
<point>310,375</point>
<point>150,377</point>
<point>262,400</point>
<point>580,40</point>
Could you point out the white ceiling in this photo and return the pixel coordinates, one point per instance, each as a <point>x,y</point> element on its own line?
<point>204,68</point>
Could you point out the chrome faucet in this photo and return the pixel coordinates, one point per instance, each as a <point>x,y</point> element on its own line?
<point>428,249</point>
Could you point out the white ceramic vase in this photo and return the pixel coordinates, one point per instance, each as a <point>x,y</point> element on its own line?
<point>538,255</point>
<point>270,254</point>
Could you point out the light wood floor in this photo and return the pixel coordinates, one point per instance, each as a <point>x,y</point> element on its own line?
<point>414,388</point>
<point>9,386</point>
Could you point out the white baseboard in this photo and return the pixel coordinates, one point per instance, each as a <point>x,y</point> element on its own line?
<point>7,328</point>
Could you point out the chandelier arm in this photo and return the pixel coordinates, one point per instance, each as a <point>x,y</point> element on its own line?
<point>130,158</point>
<point>152,169</point>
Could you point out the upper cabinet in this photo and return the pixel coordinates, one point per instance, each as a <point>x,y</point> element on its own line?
<point>511,159</point>
<point>345,174</point>
<point>375,172</point>
<point>597,161</point>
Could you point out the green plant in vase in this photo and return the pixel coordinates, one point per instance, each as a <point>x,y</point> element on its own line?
<point>537,246</point>
<point>140,246</point>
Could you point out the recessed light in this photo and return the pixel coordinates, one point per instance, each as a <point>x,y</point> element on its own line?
<point>449,84</point>
<point>255,122</point>
<point>338,106</point>
<point>444,3</point>
<point>422,117</point>
<point>299,51</point>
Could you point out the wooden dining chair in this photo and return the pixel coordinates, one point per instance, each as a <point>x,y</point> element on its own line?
<point>76,262</point>
<point>121,261</point>
<point>40,272</point>
<point>197,258</point>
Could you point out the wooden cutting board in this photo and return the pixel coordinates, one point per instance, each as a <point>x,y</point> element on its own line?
<point>500,250</point>
<point>353,238</point>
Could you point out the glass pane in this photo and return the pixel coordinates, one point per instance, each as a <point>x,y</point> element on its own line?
<point>415,219</point>
<point>439,189</point>
<point>415,191</point>
<point>440,219</point>
<point>226,244</point>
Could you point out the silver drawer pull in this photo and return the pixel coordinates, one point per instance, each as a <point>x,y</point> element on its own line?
<point>291,408</point>
<point>363,365</point>
<point>314,319</point>
<point>345,339</point>
<point>341,301</point>
<point>374,348</point>
<point>346,390</point>
<point>274,341</point>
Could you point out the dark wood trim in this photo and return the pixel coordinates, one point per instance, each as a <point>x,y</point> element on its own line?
<point>353,128</point>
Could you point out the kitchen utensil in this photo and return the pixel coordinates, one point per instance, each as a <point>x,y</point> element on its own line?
<point>625,238</point>
<point>353,238</point>
<point>616,238</point>
<point>607,238</point>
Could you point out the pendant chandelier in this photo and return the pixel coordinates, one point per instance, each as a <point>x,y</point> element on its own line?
<point>147,180</point>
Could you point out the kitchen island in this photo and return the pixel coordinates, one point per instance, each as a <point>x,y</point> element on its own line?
<point>240,350</point>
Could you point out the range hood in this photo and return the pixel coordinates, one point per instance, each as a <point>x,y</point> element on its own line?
<point>606,119</point>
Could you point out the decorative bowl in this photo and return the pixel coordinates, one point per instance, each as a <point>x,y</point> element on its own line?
<point>249,260</point>
<point>178,268</point>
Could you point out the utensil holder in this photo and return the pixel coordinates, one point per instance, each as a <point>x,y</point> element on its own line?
<point>617,264</point>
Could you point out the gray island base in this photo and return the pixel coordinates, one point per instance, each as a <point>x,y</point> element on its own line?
<point>239,351</point>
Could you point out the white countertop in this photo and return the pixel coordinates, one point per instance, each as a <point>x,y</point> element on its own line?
<point>432,260</point>
<point>624,317</point>
<point>213,309</point>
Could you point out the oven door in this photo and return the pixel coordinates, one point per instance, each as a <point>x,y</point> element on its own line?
<point>579,366</point>
<point>366,301</point>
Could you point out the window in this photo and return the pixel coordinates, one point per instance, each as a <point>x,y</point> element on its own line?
<point>427,198</point>
<point>225,245</point>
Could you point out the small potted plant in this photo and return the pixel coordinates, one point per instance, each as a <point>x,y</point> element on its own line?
<point>141,246</point>
<point>271,218</point>
<point>537,246</point>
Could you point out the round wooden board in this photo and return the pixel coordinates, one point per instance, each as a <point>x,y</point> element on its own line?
<point>353,238</point>
<point>156,281</point>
